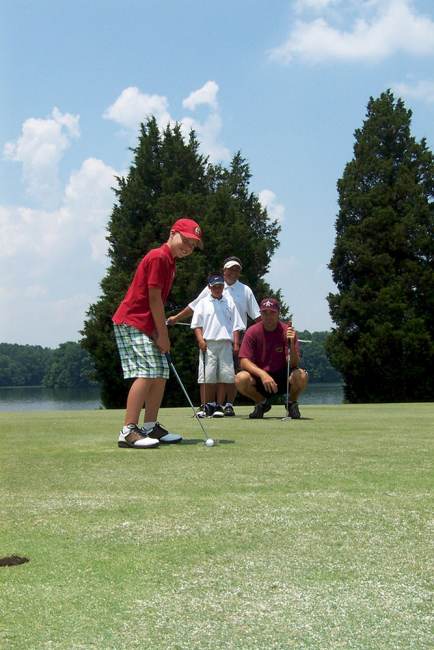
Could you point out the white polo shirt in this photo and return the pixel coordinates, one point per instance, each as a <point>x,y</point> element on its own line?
<point>243,297</point>
<point>219,319</point>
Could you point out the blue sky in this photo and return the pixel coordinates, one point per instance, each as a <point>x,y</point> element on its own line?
<point>287,83</point>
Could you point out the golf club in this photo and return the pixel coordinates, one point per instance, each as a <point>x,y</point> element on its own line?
<point>287,381</point>
<point>185,324</point>
<point>204,380</point>
<point>287,391</point>
<point>208,441</point>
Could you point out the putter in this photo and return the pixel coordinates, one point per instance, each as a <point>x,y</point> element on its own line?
<point>204,380</point>
<point>185,324</point>
<point>170,362</point>
<point>287,391</point>
<point>287,382</point>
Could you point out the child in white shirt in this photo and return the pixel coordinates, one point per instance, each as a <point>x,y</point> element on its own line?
<point>216,323</point>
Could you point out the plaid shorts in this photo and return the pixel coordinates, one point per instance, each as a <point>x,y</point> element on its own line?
<point>139,355</point>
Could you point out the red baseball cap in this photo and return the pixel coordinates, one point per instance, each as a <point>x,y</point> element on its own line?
<point>188,228</point>
<point>269,304</point>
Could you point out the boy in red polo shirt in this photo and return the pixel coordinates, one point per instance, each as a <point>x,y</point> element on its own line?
<point>142,337</point>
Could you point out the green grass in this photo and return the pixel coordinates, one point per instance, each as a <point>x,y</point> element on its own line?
<point>309,534</point>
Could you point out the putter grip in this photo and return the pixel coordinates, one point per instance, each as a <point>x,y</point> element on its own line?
<point>168,357</point>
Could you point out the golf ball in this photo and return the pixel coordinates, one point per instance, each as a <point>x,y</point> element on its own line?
<point>209,442</point>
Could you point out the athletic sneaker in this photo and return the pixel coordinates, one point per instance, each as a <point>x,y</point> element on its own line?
<point>293,410</point>
<point>134,438</point>
<point>260,409</point>
<point>161,434</point>
<point>229,410</point>
<point>201,413</point>
<point>218,412</point>
<point>206,411</point>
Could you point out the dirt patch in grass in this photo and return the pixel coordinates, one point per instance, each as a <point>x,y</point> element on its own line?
<point>13,560</point>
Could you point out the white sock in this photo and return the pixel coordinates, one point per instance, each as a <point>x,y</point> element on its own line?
<point>126,428</point>
<point>228,404</point>
<point>148,425</point>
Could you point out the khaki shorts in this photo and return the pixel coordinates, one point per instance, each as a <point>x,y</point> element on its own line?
<point>219,364</point>
<point>139,355</point>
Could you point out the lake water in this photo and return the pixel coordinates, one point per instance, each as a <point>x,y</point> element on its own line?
<point>36,398</point>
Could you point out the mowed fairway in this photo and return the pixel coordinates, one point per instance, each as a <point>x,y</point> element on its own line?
<point>300,534</point>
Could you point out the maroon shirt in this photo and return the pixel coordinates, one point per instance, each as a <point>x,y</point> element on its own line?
<point>267,350</point>
<point>157,269</point>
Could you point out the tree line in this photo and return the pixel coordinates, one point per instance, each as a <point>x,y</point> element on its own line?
<point>70,366</point>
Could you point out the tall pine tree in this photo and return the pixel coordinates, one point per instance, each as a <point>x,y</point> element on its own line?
<point>169,179</point>
<point>382,262</point>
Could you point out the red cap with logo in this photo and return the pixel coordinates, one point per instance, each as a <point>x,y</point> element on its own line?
<point>269,304</point>
<point>190,229</point>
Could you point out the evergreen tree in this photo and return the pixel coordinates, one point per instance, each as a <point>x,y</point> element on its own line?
<point>169,179</point>
<point>382,262</point>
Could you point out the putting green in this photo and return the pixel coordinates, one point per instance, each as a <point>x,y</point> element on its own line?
<point>287,534</point>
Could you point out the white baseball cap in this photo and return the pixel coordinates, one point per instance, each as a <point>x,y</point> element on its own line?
<point>231,263</point>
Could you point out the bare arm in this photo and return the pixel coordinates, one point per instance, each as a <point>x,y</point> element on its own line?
<point>157,309</point>
<point>294,357</point>
<point>236,341</point>
<point>184,313</point>
<point>198,332</point>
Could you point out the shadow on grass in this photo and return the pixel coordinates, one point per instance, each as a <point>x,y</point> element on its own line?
<point>273,417</point>
<point>198,441</point>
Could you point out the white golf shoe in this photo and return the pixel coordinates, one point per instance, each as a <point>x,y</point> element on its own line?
<point>134,438</point>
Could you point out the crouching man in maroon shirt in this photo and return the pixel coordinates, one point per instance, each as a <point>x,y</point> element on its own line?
<point>266,349</point>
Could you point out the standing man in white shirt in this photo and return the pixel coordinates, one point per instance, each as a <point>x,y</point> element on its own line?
<point>245,302</point>
<point>216,324</point>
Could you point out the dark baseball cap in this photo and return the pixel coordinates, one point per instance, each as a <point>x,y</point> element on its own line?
<point>215,278</point>
<point>269,304</point>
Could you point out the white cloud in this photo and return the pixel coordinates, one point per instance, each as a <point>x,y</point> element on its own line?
<point>88,192</point>
<point>275,210</point>
<point>208,131</point>
<point>49,258</point>
<point>394,27</point>
<point>133,107</point>
<point>315,5</point>
<point>422,90</point>
<point>206,95</point>
<point>40,148</point>
<point>46,235</point>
